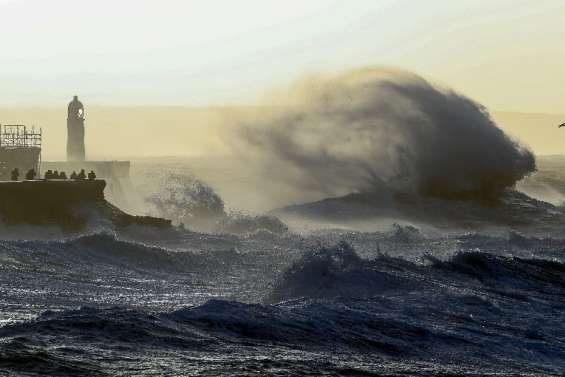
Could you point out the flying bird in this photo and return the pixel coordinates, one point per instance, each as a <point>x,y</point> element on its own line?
<point>561,125</point>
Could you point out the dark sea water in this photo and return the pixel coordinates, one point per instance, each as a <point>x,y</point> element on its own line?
<point>333,303</point>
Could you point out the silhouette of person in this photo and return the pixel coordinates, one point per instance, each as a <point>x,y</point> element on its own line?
<point>15,174</point>
<point>49,174</point>
<point>74,175</point>
<point>63,175</point>
<point>91,175</point>
<point>56,174</point>
<point>82,175</point>
<point>30,175</point>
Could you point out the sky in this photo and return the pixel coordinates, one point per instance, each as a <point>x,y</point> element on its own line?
<point>507,54</point>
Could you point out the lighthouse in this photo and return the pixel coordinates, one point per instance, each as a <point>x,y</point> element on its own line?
<point>116,173</point>
<point>75,131</point>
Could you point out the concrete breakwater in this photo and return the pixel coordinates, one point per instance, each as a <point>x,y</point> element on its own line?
<point>69,204</point>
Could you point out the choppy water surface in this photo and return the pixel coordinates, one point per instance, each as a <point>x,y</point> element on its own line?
<point>331,303</point>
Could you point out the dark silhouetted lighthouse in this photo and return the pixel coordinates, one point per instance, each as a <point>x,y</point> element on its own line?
<point>75,131</point>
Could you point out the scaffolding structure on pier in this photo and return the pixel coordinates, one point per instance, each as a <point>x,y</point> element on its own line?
<point>20,147</point>
<point>18,136</point>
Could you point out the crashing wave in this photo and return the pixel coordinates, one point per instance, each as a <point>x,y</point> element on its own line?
<point>338,271</point>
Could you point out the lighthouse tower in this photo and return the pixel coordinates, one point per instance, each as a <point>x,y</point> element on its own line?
<point>75,131</point>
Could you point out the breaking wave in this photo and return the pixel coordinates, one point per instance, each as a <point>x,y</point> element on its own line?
<point>353,131</point>
<point>330,272</point>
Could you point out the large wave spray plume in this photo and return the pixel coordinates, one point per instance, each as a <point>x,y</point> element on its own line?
<point>355,131</point>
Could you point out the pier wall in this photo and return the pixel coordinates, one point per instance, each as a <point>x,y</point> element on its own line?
<point>69,204</point>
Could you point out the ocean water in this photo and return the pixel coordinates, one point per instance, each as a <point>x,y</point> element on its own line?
<point>331,303</point>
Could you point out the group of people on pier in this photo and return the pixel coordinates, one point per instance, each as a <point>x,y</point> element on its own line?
<point>50,174</point>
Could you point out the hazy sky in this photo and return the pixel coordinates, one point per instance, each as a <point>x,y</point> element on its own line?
<point>508,54</point>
